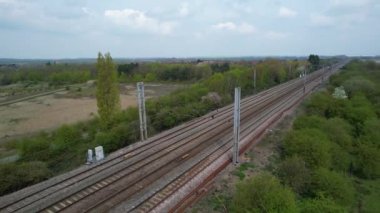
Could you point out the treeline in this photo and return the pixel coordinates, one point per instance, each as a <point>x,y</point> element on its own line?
<point>60,74</point>
<point>64,149</point>
<point>149,72</point>
<point>54,74</point>
<point>329,156</point>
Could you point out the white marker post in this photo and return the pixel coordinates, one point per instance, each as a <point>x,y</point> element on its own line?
<point>90,155</point>
<point>142,114</point>
<point>99,153</point>
<point>235,154</point>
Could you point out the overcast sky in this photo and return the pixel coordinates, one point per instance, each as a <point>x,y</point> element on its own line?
<point>169,28</point>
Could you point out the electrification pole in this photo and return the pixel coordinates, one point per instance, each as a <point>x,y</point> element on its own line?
<point>142,113</point>
<point>235,154</point>
<point>304,81</point>
<point>254,80</point>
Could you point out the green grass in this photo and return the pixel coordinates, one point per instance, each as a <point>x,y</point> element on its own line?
<point>239,172</point>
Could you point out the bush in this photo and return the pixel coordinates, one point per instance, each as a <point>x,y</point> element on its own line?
<point>359,110</point>
<point>36,149</point>
<point>309,122</point>
<point>324,105</point>
<point>16,176</point>
<point>66,137</point>
<point>107,140</point>
<point>332,185</point>
<point>340,159</point>
<point>311,145</point>
<point>357,85</point>
<point>367,162</point>
<point>263,193</point>
<point>319,205</point>
<point>371,131</point>
<point>339,131</point>
<point>293,173</point>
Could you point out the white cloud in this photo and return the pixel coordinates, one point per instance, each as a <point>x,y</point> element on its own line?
<point>322,20</point>
<point>184,9</point>
<point>286,12</point>
<point>88,11</point>
<point>242,28</point>
<point>139,20</point>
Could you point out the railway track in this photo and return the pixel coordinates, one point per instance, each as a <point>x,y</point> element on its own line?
<point>142,176</point>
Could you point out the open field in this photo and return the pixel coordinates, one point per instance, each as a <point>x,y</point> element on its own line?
<point>66,107</point>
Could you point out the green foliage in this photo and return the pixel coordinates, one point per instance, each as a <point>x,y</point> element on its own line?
<point>359,85</point>
<point>340,158</point>
<point>359,110</point>
<point>324,105</point>
<point>320,204</point>
<point>16,176</point>
<point>371,131</point>
<point>263,193</point>
<point>332,185</point>
<point>369,195</point>
<point>314,61</point>
<point>309,122</point>
<point>55,74</point>
<point>311,145</point>
<point>339,131</point>
<point>36,148</point>
<point>294,173</point>
<point>66,137</point>
<point>367,163</point>
<point>107,91</point>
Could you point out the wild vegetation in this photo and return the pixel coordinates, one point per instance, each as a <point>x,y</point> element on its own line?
<point>330,160</point>
<point>64,149</point>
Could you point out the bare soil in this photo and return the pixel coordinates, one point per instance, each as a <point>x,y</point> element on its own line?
<point>51,111</point>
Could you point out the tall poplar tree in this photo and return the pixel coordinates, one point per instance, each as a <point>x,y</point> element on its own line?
<point>107,91</point>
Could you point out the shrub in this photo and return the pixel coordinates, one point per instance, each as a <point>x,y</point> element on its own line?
<point>293,172</point>
<point>36,149</point>
<point>319,205</point>
<point>332,185</point>
<point>371,131</point>
<point>367,162</point>
<point>357,85</point>
<point>107,140</point>
<point>16,176</point>
<point>311,145</point>
<point>263,193</point>
<point>340,158</point>
<point>309,122</point>
<point>339,131</point>
<point>324,105</point>
<point>66,137</point>
<point>359,110</point>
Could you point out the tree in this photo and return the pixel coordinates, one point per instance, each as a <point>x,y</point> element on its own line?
<point>314,61</point>
<point>107,92</point>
